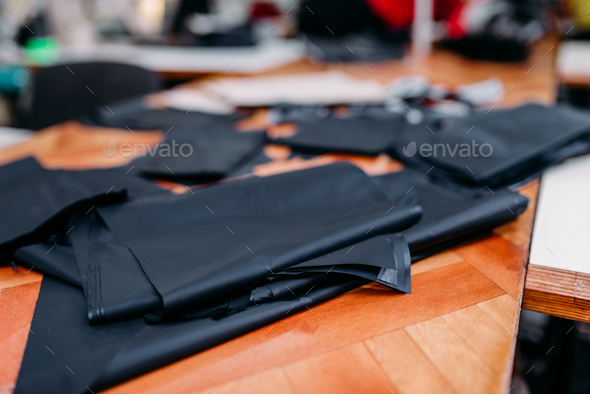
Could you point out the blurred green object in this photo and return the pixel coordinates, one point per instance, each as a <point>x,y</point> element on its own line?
<point>13,78</point>
<point>41,51</point>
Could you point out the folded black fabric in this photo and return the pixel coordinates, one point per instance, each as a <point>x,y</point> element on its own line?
<point>136,116</point>
<point>221,240</point>
<point>451,215</point>
<point>369,131</point>
<point>36,203</point>
<point>497,148</point>
<point>103,355</point>
<point>196,156</point>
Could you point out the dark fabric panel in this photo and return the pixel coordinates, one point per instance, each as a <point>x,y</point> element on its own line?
<point>261,225</point>
<point>525,141</point>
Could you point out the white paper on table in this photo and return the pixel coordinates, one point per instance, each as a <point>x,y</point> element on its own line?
<point>185,99</point>
<point>246,60</point>
<point>561,236</point>
<point>10,136</point>
<point>327,88</point>
<point>573,58</point>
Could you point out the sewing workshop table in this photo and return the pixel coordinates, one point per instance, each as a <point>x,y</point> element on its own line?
<point>455,333</point>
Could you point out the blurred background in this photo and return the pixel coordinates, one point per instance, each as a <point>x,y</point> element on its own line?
<point>178,40</point>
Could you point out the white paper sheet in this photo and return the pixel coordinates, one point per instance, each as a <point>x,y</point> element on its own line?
<point>561,236</point>
<point>327,88</point>
<point>10,136</point>
<point>573,58</point>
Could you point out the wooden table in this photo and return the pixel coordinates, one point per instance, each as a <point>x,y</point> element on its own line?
<point>455,333</point>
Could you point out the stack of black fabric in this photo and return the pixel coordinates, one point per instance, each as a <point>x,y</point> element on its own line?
<point>138,278</point>
<point>496,148</point>
<point>198,147</point>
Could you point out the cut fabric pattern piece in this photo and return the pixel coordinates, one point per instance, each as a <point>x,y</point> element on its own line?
<point>194,156</point>
<point>451,215</point>
<point>224,239</point>
<point>499,147</point>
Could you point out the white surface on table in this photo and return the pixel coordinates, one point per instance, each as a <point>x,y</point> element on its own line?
<point>327,88</point>
<point>561,236</point>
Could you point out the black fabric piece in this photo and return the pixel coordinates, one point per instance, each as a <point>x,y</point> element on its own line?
<point>65,92</point>
<point>451,215</point>
<point>104,355</point>
<point>200,155</point>
<point>137,117</point>
<point>39,202</point>
<point>109,354</point>
<point>224,239</point>
<point>368,131</point>
<point>114,283</point>
<point>525,141</point>
<point>51,257</point>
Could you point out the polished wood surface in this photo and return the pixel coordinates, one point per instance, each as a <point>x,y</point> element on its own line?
<point>455,333</point>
